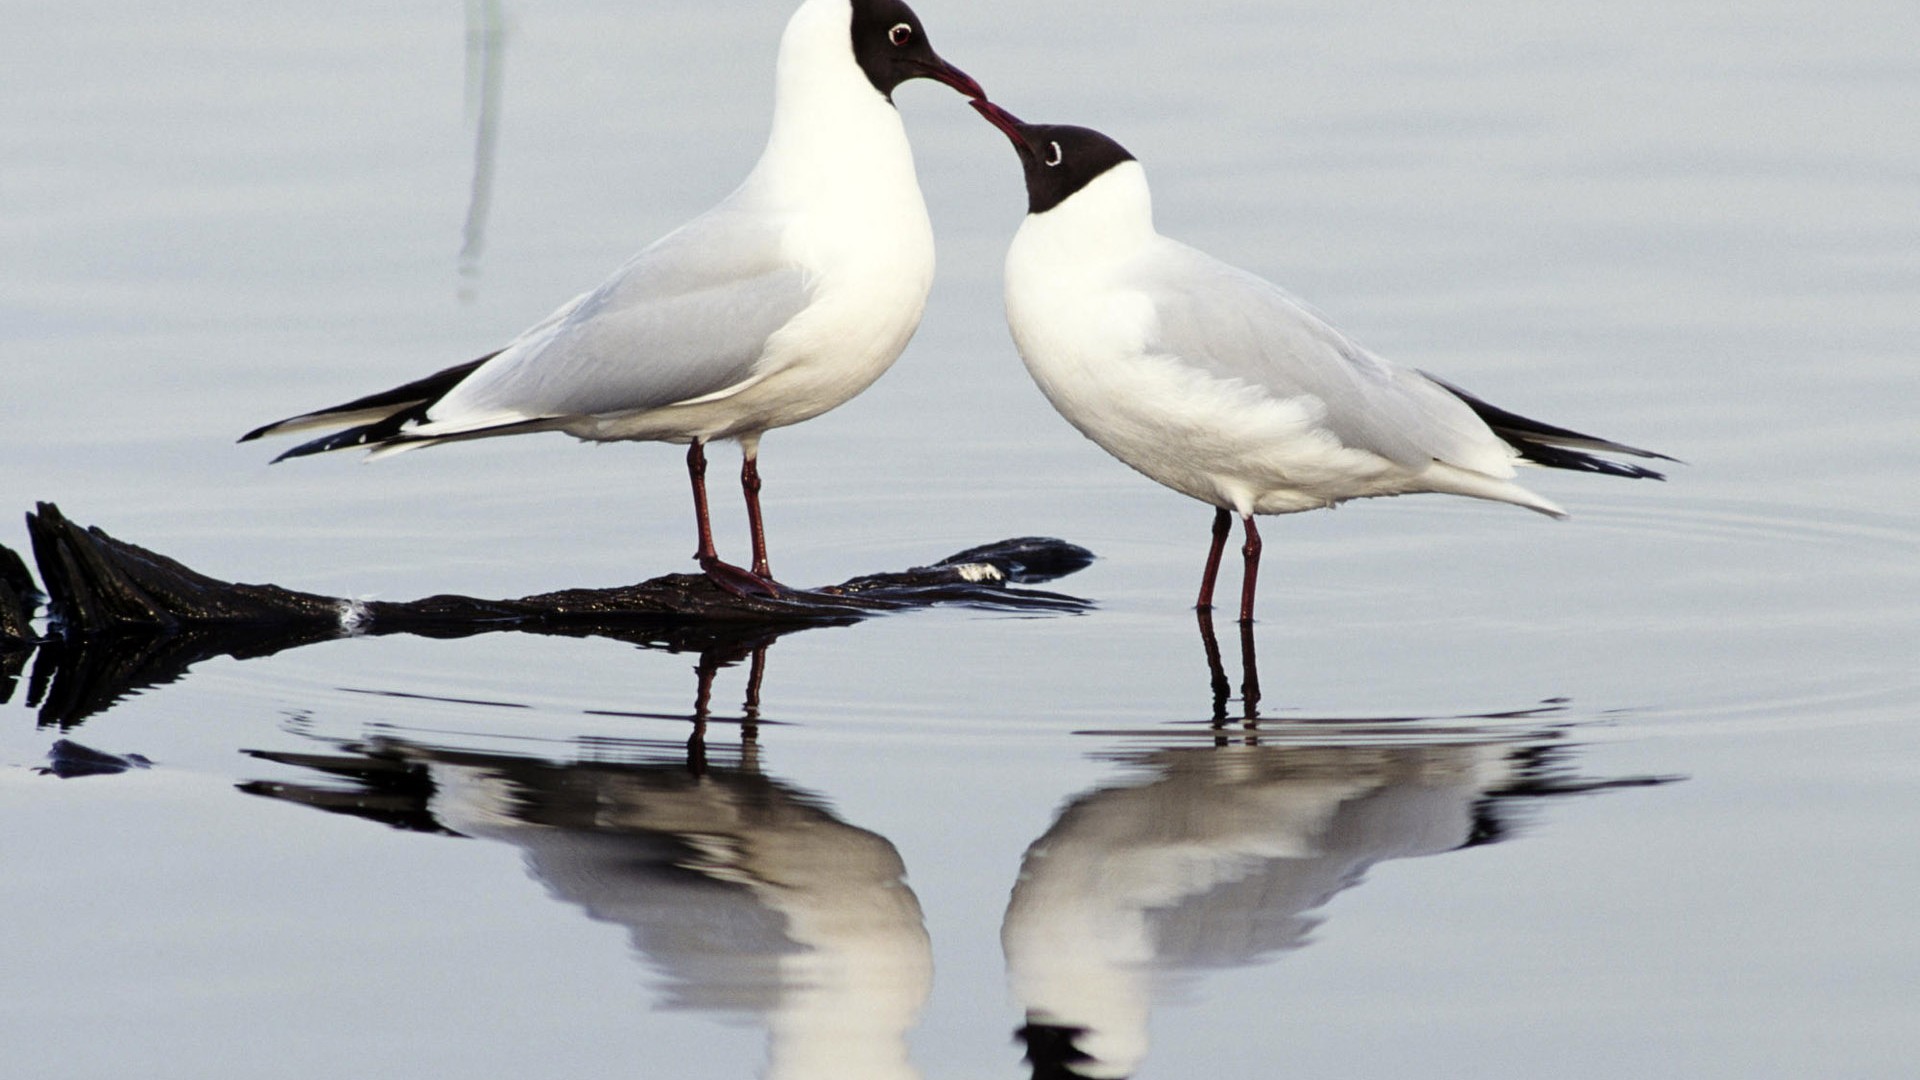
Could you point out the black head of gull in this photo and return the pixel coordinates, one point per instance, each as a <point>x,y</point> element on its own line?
<point>891,46</point>
<point>1059,159</point>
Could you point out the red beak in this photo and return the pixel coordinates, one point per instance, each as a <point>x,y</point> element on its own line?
<point>1005,121</point>
<point>941,71</point>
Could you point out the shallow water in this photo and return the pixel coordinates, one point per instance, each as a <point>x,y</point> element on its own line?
<point>1633,794</point>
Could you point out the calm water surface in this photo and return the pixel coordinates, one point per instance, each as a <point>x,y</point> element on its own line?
<point>1637,794</point>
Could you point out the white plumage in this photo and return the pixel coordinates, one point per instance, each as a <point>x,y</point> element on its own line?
<point>1217,383</point>
<point>1220,385</point>
<point>787,299</point>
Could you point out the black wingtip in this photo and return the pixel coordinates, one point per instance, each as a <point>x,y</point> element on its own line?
<point>1557,447</point>
<point>1559,457</point>
<point>410,399</point>
<point>367,435</point>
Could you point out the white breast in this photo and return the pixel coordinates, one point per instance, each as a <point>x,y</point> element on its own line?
<point>1230,394</point>
<point>837,178</point>
<point>1082,330</point>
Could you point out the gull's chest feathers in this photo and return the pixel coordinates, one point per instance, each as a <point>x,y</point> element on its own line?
<point>853,221</point>
<point>1083,332</point>
<point>1073,315</point>
<point>868,258</point>
<point>1085,284</point>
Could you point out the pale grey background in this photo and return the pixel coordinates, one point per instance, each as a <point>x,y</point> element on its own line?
<point>1689,226</point>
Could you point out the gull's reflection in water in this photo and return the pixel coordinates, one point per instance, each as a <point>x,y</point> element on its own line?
<point>746,894</point>
<point>1222,852</point>
<point>1216,845</point>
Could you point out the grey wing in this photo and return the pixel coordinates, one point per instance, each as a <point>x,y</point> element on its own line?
<point>1237,326</point>
<point>687,318</point>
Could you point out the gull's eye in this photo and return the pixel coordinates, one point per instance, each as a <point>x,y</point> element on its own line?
<point>900,34</point>
<point>1057,157</point>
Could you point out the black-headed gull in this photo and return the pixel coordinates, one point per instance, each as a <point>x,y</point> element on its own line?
<point>787,299</point>
<point>1206,860</point>
<point>1219,384</point>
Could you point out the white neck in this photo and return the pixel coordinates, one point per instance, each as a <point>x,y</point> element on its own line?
<point>1107,221</point>
<point>835,138</point>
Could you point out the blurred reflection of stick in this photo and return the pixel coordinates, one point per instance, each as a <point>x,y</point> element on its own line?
<point>486,57</point>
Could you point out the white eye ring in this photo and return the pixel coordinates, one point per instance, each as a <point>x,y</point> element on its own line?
<point>900,34</point>
<point>1058,155</point>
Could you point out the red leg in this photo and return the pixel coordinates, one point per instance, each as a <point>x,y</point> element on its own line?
<point>1251,552</point>
<point>750,483</point>
<point>1222,525</point>
<point>726,575</point>
<point>697,473</point>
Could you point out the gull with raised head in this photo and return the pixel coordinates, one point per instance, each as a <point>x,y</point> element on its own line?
<point>787,299</point>
<point>1222,386</point>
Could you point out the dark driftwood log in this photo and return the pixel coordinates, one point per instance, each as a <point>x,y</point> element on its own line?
<point>99,585</point>
<point>17,598</point>
<point>121,617</point>
<point>68,760</point>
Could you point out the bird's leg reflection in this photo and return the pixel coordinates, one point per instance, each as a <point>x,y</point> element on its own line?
<point>1222,688</point>
<point>1217,672</point>
<point>709,665</point>
<point>1249,675</point>
<point>750,709</point>
<point>704,671</point>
